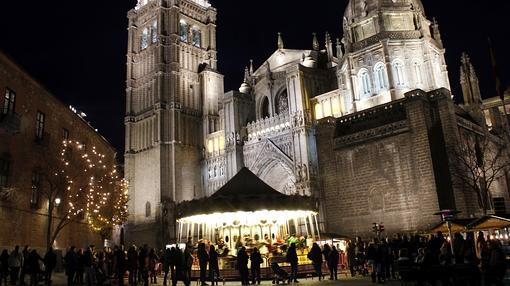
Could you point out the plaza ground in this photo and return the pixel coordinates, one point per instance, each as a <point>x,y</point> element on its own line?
<point>60,280</point>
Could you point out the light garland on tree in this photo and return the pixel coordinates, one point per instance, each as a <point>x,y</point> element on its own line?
<point>105,194</point>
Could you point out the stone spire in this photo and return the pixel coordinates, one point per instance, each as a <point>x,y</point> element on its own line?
<point>339,52</point>
<point>245,87</point>
<point>251,67</point>
<point>280,41</point>
<point>469,82</point>
<point>471,90</point>
<point>329,47</point>
<point>436,34</point>
<point>316,46</point>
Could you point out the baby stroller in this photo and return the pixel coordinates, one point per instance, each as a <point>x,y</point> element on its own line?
<point>279,274</point>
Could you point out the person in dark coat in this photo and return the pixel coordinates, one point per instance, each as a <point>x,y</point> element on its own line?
<point>80,267</point>
<point>188,262</point>
<point>71,264</point>
<point>181,268</point>
<point>351,257</point>
<point>242,265</point>
<point>120,264</point>
<point>326,250</point>
<point>496,267</point>
<point>333,260</point>
<point>315,255</point>
<point>4,266</point>
<point>50,261</point>
<point>33,267</point>
<point>153,259</point>
<point>24,266</point>
<point>214,269</point>
<point>203,259</point>
<point>132,263</point>
<point>256,260</point>
<point>292,258</point>
<point>166,260</point>
<point>143,264</point>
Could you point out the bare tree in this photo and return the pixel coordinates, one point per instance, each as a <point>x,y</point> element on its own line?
<point>480,161</point>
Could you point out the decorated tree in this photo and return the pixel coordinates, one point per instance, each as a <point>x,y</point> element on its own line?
<point>77,183</point>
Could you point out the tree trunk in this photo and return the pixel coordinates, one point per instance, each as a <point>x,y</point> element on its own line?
<point>49,241</point>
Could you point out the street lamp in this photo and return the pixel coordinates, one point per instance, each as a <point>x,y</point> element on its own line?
<point>448,216</point>
<point>58,201</point>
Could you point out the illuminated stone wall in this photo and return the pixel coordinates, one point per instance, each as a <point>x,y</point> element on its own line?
<point>26,224</point>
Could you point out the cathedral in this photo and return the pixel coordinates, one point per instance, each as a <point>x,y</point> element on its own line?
<point>354,122</point>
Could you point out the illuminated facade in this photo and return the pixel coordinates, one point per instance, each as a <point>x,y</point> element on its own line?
<point>186,138</point>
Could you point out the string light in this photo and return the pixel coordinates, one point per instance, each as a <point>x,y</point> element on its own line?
<point>105,198</point>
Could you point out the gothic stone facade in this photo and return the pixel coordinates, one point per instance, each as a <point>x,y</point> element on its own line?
<point>32,122</point>
<point>185,138</point>
<point>394,164</point>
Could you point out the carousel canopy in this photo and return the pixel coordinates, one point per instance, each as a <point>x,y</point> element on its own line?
<point>246,192</point>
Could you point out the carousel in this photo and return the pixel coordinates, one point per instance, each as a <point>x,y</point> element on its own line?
<point>248,212</point>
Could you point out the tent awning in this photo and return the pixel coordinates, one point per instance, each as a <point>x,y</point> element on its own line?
<point>489,222</point>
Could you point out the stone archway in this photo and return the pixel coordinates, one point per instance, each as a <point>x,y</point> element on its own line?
<point>275,168</point>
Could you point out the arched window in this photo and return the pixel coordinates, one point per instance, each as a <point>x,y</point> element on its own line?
<point>197,38</point>
<point>398,67</point>
<point>154,32</point>
<point>380,76</point>
<point>265,108</point>
<point>282,103</point>
<point>147,209</point>
<point>364,83</point>
<point>184,30</point>
<point>145,38</point>
<point>417,72</point>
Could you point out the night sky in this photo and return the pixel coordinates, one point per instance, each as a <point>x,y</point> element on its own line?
<point>77,49</point>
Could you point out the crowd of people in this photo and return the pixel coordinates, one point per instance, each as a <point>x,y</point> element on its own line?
<point>20,264</point>
<point>423,259</point>
<point>417,258</point>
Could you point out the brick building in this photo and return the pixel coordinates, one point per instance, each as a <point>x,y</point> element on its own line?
<point>31,121</point>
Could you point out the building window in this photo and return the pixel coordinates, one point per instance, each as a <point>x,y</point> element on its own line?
<point>65,134</point>
<point>4,170</point>
<point>499,205</point>
<point>39,125</point>
<point>36,188</point>
<point>145,38</point>
<point>417,72</point>
<point>265,107</point>
<point>9,102</point>
<point>154,32</point>
<point>318,111</point>
<point>364,83</point>
<point>197,38</point>
<point>147,209</point>
<point>399,73</point>
<point>380,76</point>
<point>184,31</point>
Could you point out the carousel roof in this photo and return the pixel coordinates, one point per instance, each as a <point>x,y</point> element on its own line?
<point>245,192</point>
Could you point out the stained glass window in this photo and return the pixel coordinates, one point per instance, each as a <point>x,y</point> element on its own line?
<point>184,31</point>
<point>197,38</point>
<point>154,32</point>
<point>145,38</point>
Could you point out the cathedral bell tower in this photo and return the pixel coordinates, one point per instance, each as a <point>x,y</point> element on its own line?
<point>171,101</point>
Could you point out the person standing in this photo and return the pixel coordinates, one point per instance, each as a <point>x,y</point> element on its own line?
<point>80,268</point>
<point>242,265</point>
<point>496,267</point>
<point>256,260</point>
<point>333,260</point>
<point>181,268</point>
<point>15,263</point>
<point>143,264</point>
<point>120,264</point>
<point>153,260</point>
<point>71,264</point>
<point>50,261</point>
<point>32,267</point>
<point>24,266</point>
<point>203,259</point>
<point>4,266</point>
<point>315,255</point>
<point>166,261</point>
<point>188,263</point>
<point>214,269</point>
<point>292,258</point>
<point>132,261</point>
<point>88,266</point>
<point>326,250</point>
<point>351,257</point>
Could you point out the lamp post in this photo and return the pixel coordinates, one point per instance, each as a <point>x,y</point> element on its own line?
<point>448,216</point>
